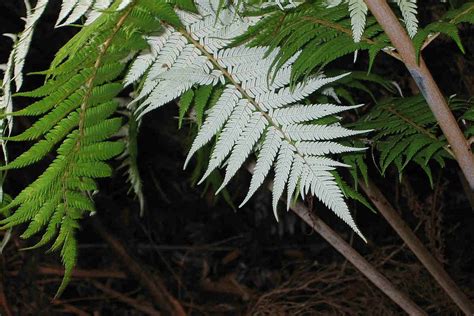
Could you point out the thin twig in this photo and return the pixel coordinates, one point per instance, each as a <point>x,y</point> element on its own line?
<point>138,305</point>
<point>78,273</point>
<point>154,284</point>
<point>68,308</point>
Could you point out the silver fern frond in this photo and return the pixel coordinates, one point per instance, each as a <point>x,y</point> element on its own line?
<point>256,106</point>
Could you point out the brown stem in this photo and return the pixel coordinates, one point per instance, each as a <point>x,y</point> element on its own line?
<point>428,87</point>
<point>155,285</point>
<point>417,247</point>
<point>368,270</point>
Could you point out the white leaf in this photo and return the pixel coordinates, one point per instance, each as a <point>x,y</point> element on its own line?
<point>23,44</point>
<point>295,173</point>
<point>229,135</point>
<point>358,12</point>
<point>124,4</point>
<point>303,113</point>
<point>66,7</point>
<point>249,137</point>
<point>80,9</point>
<point>282,172</point>
<point>97,9</point>
<point>324,148</point>
<point>273,140</point>
<point>409,11</point>
<point>215,119</point>
<point>318,132</point>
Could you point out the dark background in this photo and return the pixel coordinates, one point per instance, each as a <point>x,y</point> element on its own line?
<point>215,260</point>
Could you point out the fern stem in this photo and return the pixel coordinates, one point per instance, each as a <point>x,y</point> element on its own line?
<point>98,62</point>
<point>428,87</point>
<point>416,246</point>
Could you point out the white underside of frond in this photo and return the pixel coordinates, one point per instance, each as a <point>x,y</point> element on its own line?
<point>304,113</point>
<point>270,147</point>
<point>408,9</point>
<point>318,132</point>
<point>216,118</point>
<point>20,50</point>
<point>229,135</point>
<point>358,13</point>
<point>323,148</point>
<point>257,106</point>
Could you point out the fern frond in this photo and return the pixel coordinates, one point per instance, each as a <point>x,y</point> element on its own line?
<point>406,132</point>
<point>74,116</point>
<point>129,158</point>
<point>251,109</point>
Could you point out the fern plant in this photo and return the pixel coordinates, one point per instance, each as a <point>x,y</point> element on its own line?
<point>76,117</point>
<point>255,79</point>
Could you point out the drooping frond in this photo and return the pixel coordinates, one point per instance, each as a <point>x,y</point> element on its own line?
<point>14,68</point>
<point>75,118</point>
<point>73,10</point>
<point>252,108</point>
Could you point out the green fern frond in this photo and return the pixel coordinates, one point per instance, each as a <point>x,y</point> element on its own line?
<point>74,116</point>
<point>129,157</point>
<point>406,131</point>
